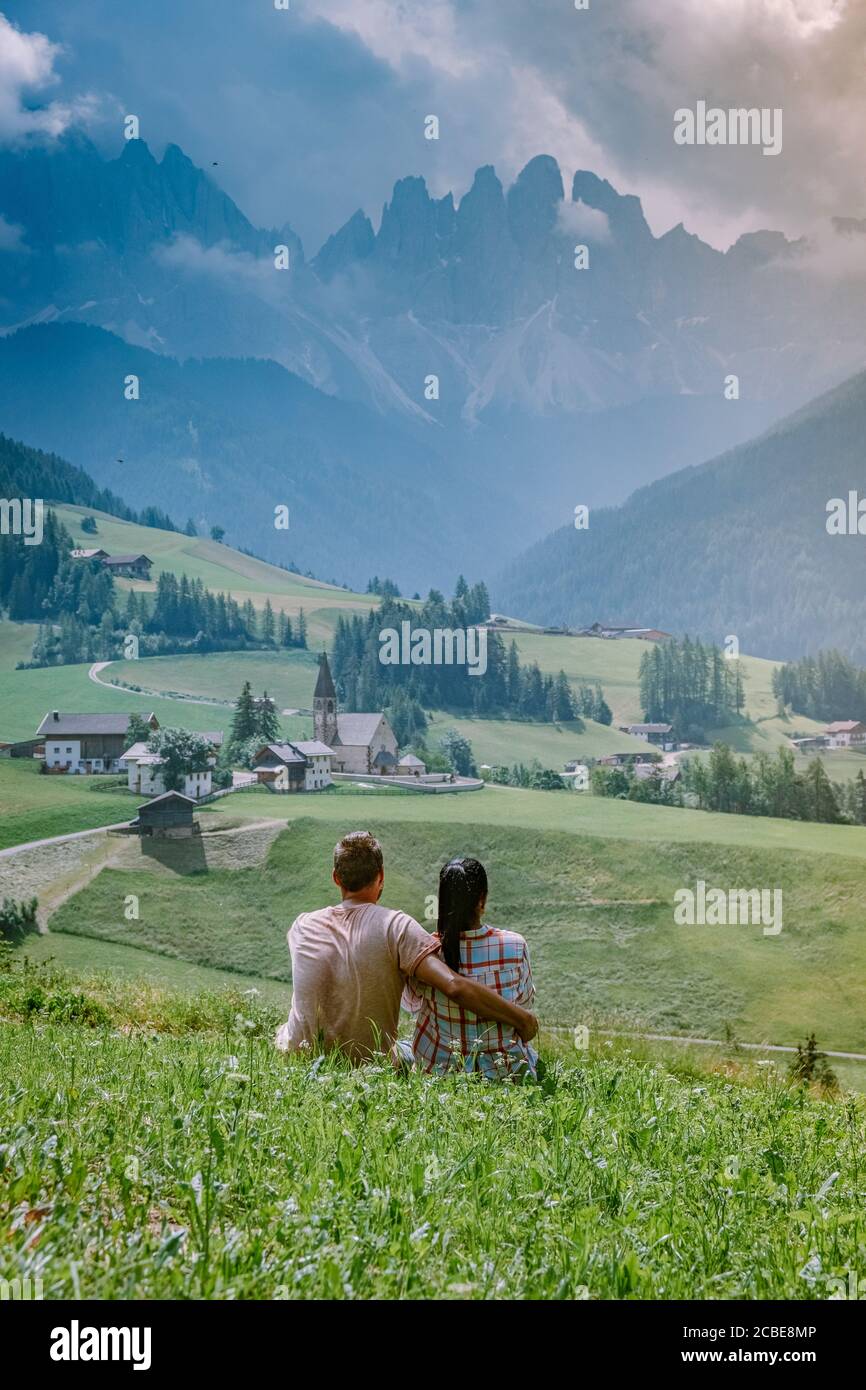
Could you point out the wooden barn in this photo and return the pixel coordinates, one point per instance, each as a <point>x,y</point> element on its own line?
<point>166,815</point>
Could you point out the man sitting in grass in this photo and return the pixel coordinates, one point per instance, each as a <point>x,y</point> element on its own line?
<point>349,964</point>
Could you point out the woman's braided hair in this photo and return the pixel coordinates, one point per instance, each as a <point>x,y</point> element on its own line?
<point>462,885</point>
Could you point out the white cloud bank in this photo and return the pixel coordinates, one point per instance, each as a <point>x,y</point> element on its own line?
<point>27,70</point>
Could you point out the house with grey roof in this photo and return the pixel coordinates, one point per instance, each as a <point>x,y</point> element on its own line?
<point>303,766</point>
<point>145,771</point>
<point>128,566</point>
<point>410,766</point>
<point>360,742</point>
<point>85,743</point>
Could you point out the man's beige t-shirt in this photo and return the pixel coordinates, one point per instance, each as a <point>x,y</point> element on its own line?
<point>349,963</point>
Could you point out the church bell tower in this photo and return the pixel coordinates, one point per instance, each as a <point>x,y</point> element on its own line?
<point>325,705</point>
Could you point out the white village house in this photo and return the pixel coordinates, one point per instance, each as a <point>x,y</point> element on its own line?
<point>846,733</point>
<point>410,766</point>
<point>144,771</point>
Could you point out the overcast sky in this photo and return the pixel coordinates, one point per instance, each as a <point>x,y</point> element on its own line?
<point>316,111</point>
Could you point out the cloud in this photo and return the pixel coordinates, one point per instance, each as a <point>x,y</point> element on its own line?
<point>221,262</point>
<point>578,219</point>
<point>559,80</point>
<point>405,35</point>
<point>26,70</point>
<point>829,254</point>
<point>315,111</point>
<point>623,79</point>
<point>11,235</point>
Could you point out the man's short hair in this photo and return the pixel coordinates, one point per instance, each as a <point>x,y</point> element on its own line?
<point>357,860</point>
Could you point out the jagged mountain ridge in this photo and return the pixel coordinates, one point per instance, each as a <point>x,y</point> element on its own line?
<point>556,386</point>
<point>482,292</point>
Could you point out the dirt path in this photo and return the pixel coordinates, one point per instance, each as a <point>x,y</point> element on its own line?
<point>61,839</point>
<point>53,870</point>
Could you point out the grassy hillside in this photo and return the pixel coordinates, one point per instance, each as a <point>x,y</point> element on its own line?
<point>598,916</point>
<point>26,696</point>
<point>219,567</point>
<point>233,1172</point>
<point>615,665</point>
<point>575,812</point>
<point>34,807</point>
<point>288,676</point>
<point>133,965</point>
<point>218,676</point>
<point>16,643</point>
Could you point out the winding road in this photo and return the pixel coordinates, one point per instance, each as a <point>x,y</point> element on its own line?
<point>98,666</point>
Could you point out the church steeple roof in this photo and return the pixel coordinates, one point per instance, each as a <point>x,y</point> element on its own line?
<point>324,685</point>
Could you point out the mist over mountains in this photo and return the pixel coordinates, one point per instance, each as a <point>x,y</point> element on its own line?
<point>555,385</point>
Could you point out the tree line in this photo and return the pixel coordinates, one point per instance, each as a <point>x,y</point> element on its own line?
<point>507,687</point>
<point>771,786</point>
<point>82,616</point>
<point>756,786</point>
<point>691,685</point>
<point>827,686</point>
<point>26,472</point>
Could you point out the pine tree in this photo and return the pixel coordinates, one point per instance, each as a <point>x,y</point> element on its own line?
<point>267,626</point>
<point>189,529</point>
<point>301,638</point>
<point>512,676</point>
<point>823,805</point>
<point>563,705</point>
<point>267,720</point>
<point>244,722</point>
<point>601,710</point>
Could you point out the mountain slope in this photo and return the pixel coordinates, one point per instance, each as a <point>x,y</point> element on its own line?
<point>228,441</point>
<point>482,292</point>
<point>737,545</point>
<point>30,473</point>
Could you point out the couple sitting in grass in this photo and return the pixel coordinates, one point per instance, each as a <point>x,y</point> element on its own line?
<point>468,986</point>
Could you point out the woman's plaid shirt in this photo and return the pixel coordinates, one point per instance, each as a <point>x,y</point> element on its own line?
<point>448,1037</point>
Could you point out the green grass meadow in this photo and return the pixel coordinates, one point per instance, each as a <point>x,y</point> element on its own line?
<point>599,922</point>
<point>162,1158</point>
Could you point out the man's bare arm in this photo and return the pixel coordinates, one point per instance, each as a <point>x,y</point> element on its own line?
<point>480,1000</point>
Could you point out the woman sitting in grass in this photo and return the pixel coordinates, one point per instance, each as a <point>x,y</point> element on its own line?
<point>447,1037</point>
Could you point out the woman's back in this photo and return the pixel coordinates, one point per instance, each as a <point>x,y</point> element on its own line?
<point>447,1036</point>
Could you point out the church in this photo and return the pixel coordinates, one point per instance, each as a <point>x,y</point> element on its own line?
<point>360,742</point>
